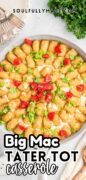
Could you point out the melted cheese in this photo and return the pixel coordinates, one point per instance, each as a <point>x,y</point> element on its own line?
<point>83,100</point>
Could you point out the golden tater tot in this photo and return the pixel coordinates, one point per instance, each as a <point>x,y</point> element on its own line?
<point>36,45</point>
<point>44,45</point>
<point>12,124</point>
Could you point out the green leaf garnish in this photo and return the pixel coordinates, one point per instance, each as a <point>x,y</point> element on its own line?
<point>73,12</point>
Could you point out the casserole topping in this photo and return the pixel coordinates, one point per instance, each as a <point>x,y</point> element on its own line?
<point>43,84</point>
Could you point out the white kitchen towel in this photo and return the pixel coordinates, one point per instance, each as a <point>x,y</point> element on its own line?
<point>73,167</point>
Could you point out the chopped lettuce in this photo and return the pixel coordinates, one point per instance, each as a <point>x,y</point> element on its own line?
<point>13,90</point>
<point>32,116</point>
<point>37,80</point>
<point>84,79</point>
<point>45,112</point>
<point>37,55</point>
<point>65,79</point>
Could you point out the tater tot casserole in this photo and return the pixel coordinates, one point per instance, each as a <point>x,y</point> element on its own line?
<point>43,89</point>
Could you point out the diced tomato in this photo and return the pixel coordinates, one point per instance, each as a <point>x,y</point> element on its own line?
<point>23,128</point>
<point>46,56</point>
<point>24,104</point>
<point>1,68</point>
<point>16,83</point>
<point>67,61</point>
<point>51,116</point>
<point>48,87</point>
<point>40,95</point>
<point>69,94</point>
<point>46,136</point>
<point>17,61</point>
<point>48,97</point>
<point>34,85</point>
<point>80,87</point>
<point>58,49</point>
<point>28,41</point>
<point>47,78</point>
<point>45,87</point>
<point>40,87</point>
<point>63,133</point>
<point>34,98</point>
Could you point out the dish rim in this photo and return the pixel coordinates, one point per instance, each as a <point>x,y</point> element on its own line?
<point>47,37</point>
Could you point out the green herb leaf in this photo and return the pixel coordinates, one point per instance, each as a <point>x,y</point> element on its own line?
<point>73,12</point>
